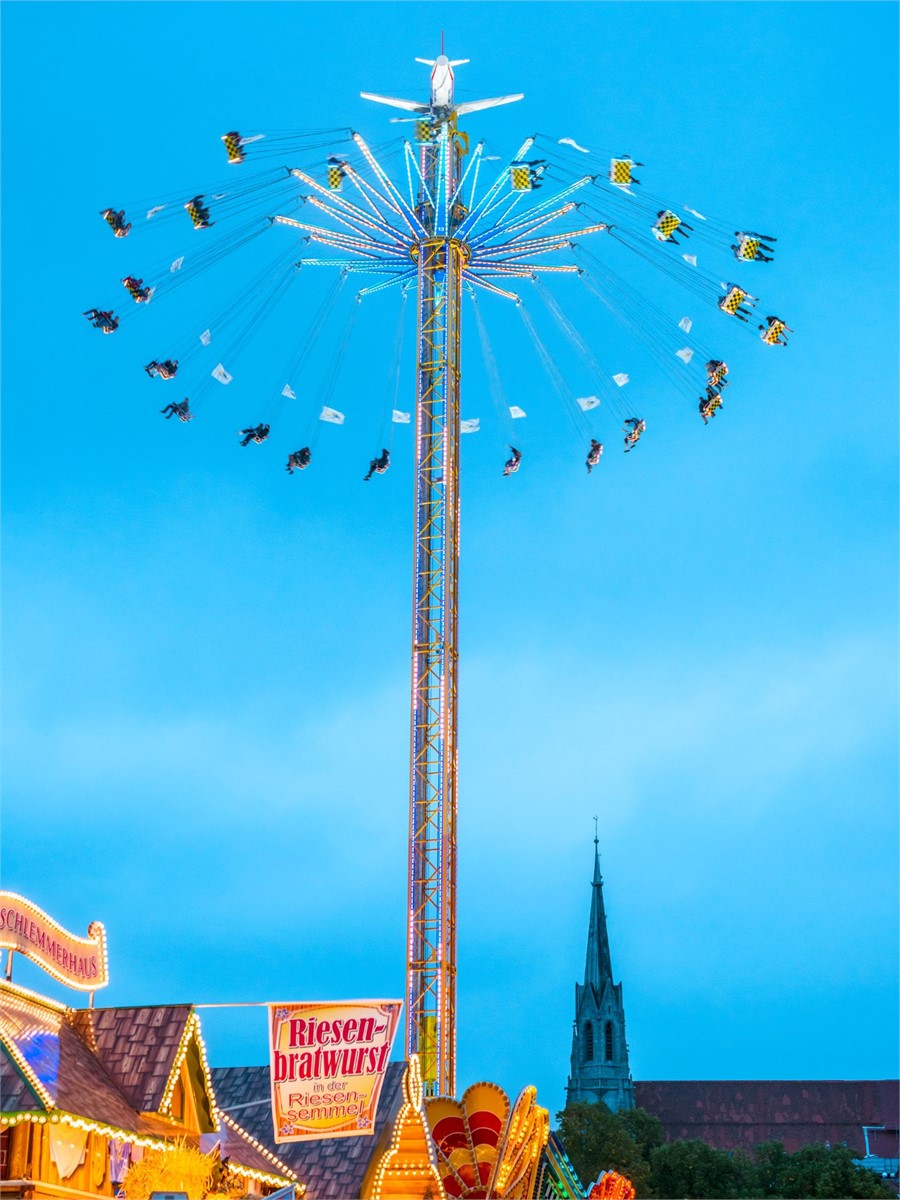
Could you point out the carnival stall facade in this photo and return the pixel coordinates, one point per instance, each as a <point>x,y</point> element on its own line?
<point>88,1095</point>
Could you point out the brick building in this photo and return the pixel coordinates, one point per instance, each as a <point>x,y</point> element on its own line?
<point>726,1114</point>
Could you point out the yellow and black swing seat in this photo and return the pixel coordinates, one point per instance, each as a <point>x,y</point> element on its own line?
<point>235,150</point>
<point>748,248</point>
<point>732,300</point>
<point>520,178</point>
<point>666,225</point>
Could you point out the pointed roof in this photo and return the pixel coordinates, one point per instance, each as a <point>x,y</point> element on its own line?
<point>598,965</point>
<point>56,1069</point>
<point>17,1093</point>
<point>331,1169</point>
<point>137,1046</point>
<point>86,1065</point>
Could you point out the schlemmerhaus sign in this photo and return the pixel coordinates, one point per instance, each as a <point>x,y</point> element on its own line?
<point>75,961</point>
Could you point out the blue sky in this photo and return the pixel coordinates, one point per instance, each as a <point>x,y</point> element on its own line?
<point>206,661</point>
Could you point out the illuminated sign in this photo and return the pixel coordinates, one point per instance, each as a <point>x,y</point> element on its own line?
<point>75,961</point>
<point>327,1065</point>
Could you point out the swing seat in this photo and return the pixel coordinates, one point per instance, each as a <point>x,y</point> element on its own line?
<point>748,249</point>
<point>233,147</point>
<point>732,300</point>
<point>666,226</point>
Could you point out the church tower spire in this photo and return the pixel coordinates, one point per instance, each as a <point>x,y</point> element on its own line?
<point>598,965</point>
<point>600,1068</point>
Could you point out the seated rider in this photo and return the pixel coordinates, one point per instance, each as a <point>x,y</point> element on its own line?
<point>298,460</point>
<point>137,289</point>
<point>178,410</point>
<point>772,330</point>
<point>100,319</point>
<point>749,247</point>
<point>733,302</point>
<point>116,221</point>
<point>594,454</point>
<point>716,370</point>
<point>634,427</point>
<point>667,225</point>
<point>198,212</point>
<point>512,463</point>
<point>257,433</point>
<point>709,405</point>
<point>167,369</point>
<point>378,465</point>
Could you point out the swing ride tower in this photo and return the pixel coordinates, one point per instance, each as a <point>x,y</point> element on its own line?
<point>447,251</point>
<point>444,236</point>
<point>431,931</point>
<point>437,242</point>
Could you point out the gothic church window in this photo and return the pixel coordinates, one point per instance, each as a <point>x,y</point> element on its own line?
<point>588,1041</point>
<point>609,1041</point>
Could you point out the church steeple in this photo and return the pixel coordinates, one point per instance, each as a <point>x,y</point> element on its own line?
<point>599,1050</point>
<point>598,965</point>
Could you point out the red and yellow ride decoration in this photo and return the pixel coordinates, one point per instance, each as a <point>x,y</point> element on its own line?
<point>485,1146</point>
<point>612,1186</point>
<point>480,1147</point>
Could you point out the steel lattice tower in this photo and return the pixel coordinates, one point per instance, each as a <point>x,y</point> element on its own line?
<point>431,941</point>
<point>434,240</point>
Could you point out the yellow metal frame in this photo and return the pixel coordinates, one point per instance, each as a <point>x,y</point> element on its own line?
<point>431,962</point>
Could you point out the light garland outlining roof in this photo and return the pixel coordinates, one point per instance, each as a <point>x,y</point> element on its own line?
<point>56,1117</point>
<point>258,1146</point>
<point>25,1067</point>
<point>24,993</point>
<point>190,1032</point>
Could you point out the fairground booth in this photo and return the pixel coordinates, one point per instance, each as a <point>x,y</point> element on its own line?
<point>109,1101</point>
<point>98,1101</point>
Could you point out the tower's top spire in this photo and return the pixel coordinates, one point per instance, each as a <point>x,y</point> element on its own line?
<point>598,965</point>
<point>442,105</point>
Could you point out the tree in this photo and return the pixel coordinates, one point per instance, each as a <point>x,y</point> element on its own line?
<point>694,1171</point>
<point>821,1173</point>
<point>596,1140</point>
<point>644,1129</point>
<point>771,1162</point>
<point>632,1143</point>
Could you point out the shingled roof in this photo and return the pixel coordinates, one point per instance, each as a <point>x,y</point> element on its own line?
<point>331,1169</point>
<point>62,1065</point>
<point>137,1046</point>
<point>107,1065</point>
<point>735,1114</point>
<point>17,1095</point>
